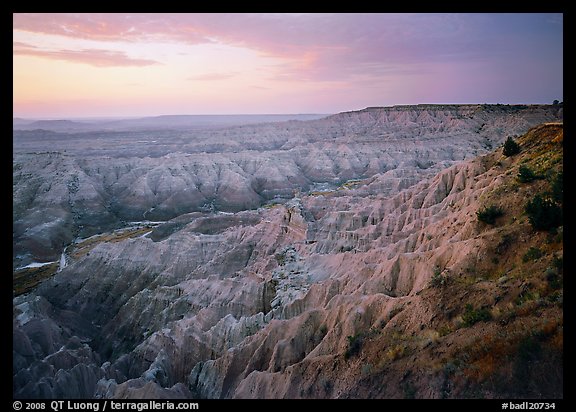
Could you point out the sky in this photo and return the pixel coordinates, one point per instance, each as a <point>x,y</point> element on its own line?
<point>115,65</point>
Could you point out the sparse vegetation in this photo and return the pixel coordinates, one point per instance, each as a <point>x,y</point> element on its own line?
<point>438,280</point>
<point>532,254</point>
<point>510,147</point>
<point>526,296</point>
<point>444,330</point>
<point>354,345</point>
<point>526,175</point>
<point>397,352</point>
<point>489,214</point>
<point>504,244</point>
<point>24,280</point>
<point>472,316</point>
<point>543,213</point>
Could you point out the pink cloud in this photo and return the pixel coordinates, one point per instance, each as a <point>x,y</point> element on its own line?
<point>110,26</point>
<point>93,57</point>
<point>349,48</point>
<point>318,46</point>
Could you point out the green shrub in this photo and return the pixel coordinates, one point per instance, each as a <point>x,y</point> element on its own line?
<point>510,147</point>
<point>558,187</point>
<point>438,280</point>
<point>489,214</point>
<point>472,316</point>
<point>543,213</point>
<point>354,345</point>
<point>532,254</point>
<point>526,175</point>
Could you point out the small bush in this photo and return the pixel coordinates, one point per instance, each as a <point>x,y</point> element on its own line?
<point>526,175</point>
<point>354,345</point>
<point>510,147</point>
<point>438,280</point>
<point>543,213</point>
<point>472,316</point>
<point>532,254</point>
<point>489,214</point>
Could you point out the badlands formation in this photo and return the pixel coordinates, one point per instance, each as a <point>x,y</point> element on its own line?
<point>340,257</point>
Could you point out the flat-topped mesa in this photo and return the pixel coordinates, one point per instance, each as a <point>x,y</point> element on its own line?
<point>464,106</point>
<point>487,112</point>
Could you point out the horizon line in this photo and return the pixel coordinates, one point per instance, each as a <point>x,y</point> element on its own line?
<point>133,117</point>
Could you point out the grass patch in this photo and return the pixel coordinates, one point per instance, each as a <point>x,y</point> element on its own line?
<point>86,246</point>
<point>24,280</point>
<point>472,316</point>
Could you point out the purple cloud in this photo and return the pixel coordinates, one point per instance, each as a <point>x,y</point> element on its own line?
<point>93,57</point>
<point>504,51</point>
<point>321,46</point>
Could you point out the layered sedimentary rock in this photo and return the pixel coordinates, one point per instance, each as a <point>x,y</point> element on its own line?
<point>325,295</point>
<point>78,184</point>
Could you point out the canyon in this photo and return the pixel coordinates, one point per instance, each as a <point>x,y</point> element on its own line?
<point>337,257</point>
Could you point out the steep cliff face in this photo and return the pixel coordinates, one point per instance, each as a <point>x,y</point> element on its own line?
<point>352,292</point>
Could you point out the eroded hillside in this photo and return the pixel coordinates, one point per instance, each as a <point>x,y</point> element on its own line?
<point>73,185</point>
<point>346,293</point>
